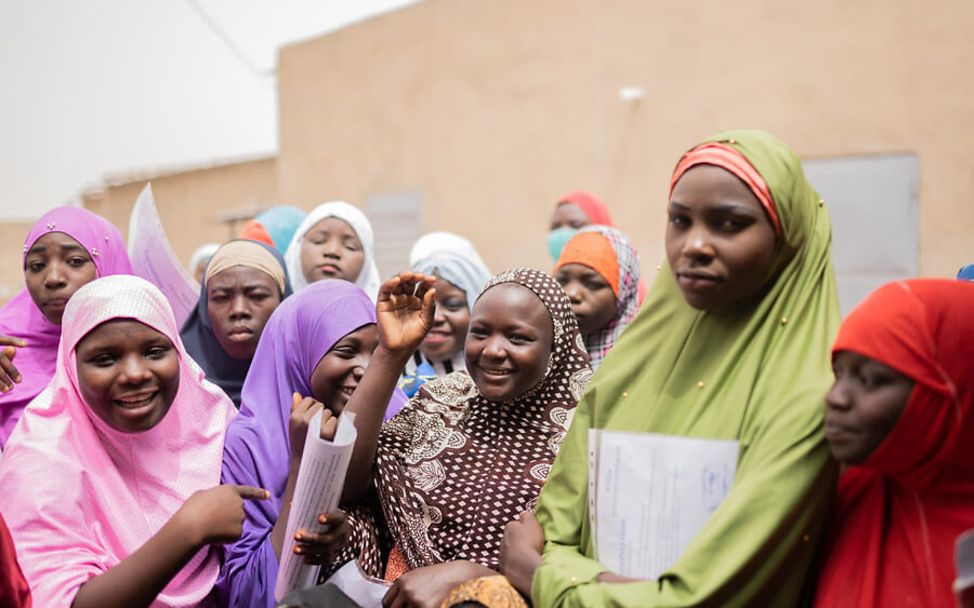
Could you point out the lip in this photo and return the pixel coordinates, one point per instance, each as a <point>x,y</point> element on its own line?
<point>437,337</point>
<point>329,269</point>
<point>240,334</point>
<point>136,405</point>
<point>835,431</point>
<point>497,374</point>
<point>55,304</point>
<point>697,281</point>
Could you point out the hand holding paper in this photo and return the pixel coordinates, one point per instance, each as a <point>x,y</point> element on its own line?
<point>318,488</point>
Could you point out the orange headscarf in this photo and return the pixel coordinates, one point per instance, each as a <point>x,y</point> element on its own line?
<point>899,513</point>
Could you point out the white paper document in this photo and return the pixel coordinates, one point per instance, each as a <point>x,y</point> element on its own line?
<point>649,496</point>
<point>362,589</point>
<point>318,489</point>
<point>154,260</point>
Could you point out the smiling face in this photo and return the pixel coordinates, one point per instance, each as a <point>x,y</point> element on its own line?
<point>338,373</point>
<point>240,299</point>
<point>128,374</point>
<point>331,250</point>
<point>509,342</point>
<point>719,242</point>
<point>445,339</point>
<point>569,215</point>
<point>593,301</point>
<point>55,267</point>
<point>864,404</point>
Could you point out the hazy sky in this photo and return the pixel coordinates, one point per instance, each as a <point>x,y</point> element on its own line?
<point>107,86</point>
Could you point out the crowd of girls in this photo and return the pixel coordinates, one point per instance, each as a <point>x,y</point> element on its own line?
<point>146,464</point>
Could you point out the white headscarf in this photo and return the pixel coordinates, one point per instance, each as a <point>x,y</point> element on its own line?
<point>454,259</point>
<point>368,278</point>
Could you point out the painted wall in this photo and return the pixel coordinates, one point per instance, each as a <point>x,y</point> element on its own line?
<point>190,202</point>
<point>491,109</point>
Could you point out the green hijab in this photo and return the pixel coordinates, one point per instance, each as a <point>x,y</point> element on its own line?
<point>757,373</point>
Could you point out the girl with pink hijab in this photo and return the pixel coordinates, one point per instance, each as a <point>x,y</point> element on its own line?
<point>66,248</point>
<point>110,478</point>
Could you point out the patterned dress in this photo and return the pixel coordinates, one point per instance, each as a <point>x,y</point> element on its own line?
<point>453,467</point>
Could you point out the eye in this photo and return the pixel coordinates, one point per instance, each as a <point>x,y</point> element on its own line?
<point>157,352</point>
<point>595,285</point>
<point>77,261</point>
<point>352,246</point>
<point>679,220</point>
<point>519,339</point>
<point>219,297</point>
<point>35,266</point>
<point>562,280</point>
<point>259,296</point>
<point>477,332</point>
<point>103,360</point>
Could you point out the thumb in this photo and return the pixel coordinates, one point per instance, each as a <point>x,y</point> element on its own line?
<point>295,399</point>
<point>252,493</point>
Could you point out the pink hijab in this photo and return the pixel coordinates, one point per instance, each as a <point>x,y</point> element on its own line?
<point>21,318</point>
<point>79,496</point>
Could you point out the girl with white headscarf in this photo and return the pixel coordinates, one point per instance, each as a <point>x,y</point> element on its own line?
<point>335,241</point>
<point>461,275</point>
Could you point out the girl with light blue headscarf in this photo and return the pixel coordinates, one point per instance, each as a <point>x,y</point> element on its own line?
<point>461,275</point>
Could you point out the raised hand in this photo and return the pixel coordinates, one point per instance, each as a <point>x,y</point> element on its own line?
<point>320,547</point>
<point>216,515</point>
<point>405,311</point>
<point>8,371</point>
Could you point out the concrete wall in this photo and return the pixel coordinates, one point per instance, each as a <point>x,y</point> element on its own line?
<point>191,201</point>
<point>491,109</point>
<point>12,235</point>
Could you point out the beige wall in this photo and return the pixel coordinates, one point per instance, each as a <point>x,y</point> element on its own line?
<point>189,202</point>
<point>12,235</point>
<point>493,108</point>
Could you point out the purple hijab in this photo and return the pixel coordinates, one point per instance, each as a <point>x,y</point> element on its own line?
<point>256,453</point>
<point>21,318</point>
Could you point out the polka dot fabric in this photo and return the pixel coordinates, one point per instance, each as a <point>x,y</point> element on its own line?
<point>453,467</point>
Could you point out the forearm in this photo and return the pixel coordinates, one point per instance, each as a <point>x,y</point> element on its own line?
<point>280,526</point>
<point>520,571</point>
<point>369,403</point>
<point>138,579</point>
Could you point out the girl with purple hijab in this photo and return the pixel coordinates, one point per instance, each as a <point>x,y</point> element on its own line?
<point>316,344</point>
<point>66,249</point>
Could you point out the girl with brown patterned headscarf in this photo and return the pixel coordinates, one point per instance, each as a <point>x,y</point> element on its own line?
<point>469,452</point>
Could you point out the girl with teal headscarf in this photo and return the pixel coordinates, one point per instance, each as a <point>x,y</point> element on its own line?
<point>733,344</point>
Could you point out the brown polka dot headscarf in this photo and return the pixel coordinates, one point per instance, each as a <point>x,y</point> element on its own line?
<point>453,468</point>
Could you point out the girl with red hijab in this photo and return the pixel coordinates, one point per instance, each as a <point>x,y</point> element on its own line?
<point>899,417</point>
<point>573,212</point>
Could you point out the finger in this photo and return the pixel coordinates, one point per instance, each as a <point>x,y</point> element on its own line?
<point>390,597</point>
<point>429,307</point>
<point>252,493</point>
<point>389,287</point>
<point>336,517</point>
<point>11,341</point>
<point>527,517</point>
<point>329,424</point>
<point>313,409</point>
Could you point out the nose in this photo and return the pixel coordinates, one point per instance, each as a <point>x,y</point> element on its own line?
<point>238,308</point>
<point>698,245</point>
<point>438,317</point>
<point>838,396</point>
<point>359,364</point>
<point>574,292</point>
<point>133,371</point>
<point>332,248</point>
<point>55,277</point>
<point>494,348</point>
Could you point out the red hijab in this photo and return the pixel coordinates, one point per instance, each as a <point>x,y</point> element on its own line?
<point>598,213</point>
<point>899,513</point>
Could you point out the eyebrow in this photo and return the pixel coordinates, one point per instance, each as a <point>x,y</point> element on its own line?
<point>725,208</point>
<point>65,247</point>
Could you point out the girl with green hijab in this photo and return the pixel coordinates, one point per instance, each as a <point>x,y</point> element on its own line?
<point>733,343</point>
